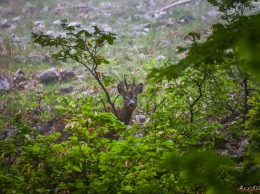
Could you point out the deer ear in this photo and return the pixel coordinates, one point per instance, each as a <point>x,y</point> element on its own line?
<point>139,88</point>
<point>120,89</point>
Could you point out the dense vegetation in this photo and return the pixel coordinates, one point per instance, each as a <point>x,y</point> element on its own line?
<point>202,131</point>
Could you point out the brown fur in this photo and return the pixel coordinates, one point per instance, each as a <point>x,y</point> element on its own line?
<point>59,126</point>
<point>130,102</point>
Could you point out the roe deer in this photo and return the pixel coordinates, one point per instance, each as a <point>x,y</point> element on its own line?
<point>124,115</point>
<point>130,101</point>
<point>59,126</point>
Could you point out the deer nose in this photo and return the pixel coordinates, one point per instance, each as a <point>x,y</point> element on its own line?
<point>132,103</point>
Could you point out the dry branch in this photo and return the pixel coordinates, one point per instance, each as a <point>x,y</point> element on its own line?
<point>174,4</point>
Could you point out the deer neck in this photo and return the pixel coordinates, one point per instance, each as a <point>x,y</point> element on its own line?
<point>125,114</point>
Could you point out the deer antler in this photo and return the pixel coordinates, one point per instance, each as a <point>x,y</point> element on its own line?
<point>126,85</point>
<point>133,85</point>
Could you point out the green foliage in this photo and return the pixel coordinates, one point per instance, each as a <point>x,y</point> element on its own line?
<point>240,46</point>
<point>207,93</point>
<point>87,163</point>
<point>90,161</point>
<point>200,170</point>
<point>150,65</point>
<point>232,9</point>
<point>195,105</point>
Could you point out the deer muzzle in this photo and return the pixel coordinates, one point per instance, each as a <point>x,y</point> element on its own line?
<point>132,103</point>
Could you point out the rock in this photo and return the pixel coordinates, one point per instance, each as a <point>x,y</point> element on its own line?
<point>25,39</point>
<point>83,5</point>
<point>239,167</point>
<point>28,86</point>
<point>185,19</point>
<point>58,10</point>
<point>138,28</point>
<point>90,92</point>
<point>5,24</point>
<point>146,29</point>
<point>6,83</point>
<point>169,22</point>
<point>223,152</point>
<point>3,134</point>
<point>15,38</point>
<point>160,57</point>
<point>7,133</point>
<point>160,15</point>
<point>141,55</point>
<point>67,75</point>
<point>165,43</point>
<point>81,78</point>
<point>140,118</point>
<point>204,19</point>
<point>227,145</point>
<point>46,58</point>
<point>19,58</point>
<point>152,3</point>
<point>45,9</point>
<point>9,11</point>
<point>19,76</point>
<point>105,5</point>
<point>37,23</point>
<point>139,33</point>
<point>51,33</point>
<point>62,34</point>
<point>108,29</point>
<point>147,25</point>
<point>239,152</point>
<point>22,85</point>
<point>38,26</point>
<point>57,22</point>
<point>213,13</point>
<point>139,135</point>
<point>74,24</point>
<point>35,58</point>
<point>66,89</point>
<point>11,132</point>
<point>244,143</point>
<point>149,16</point>
<point>65,4</point>
<point>46,127</point>
<point>19,72</point>
<point>49,76</point>
<point>17,19</point>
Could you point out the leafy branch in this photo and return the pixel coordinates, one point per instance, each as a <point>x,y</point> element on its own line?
<point>199,85</point>
<point>83,47</point>
<point>232,10</point>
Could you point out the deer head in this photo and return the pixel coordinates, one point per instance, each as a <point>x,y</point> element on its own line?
<point>130,100</point>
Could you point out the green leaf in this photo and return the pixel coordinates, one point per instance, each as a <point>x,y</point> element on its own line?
<point>108,80</point>
<point>110,39</point>
<point>77,168</point>
<point>87,34</point>
<point>105,61</point>
<point>60,107</point>
<point>80,33</point>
